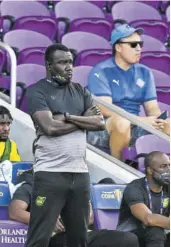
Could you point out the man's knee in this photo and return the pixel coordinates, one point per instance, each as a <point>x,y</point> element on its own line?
<point>119,124</point>
<point>154,235</point>
<point>130,239</point>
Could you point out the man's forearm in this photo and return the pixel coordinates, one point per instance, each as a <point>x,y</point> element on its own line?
<point>20,216</point>
<point>88,123</point>
<point>159,221</point>
<point>59,128</point>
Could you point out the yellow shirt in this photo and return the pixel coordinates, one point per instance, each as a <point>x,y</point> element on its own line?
<point>14,155</point>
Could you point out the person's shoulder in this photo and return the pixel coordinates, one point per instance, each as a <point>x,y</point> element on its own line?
<point>77,87</point>
<point>137,183</point>
<point>38,86</point>
<point>142,67</point>
<point>105,64</point>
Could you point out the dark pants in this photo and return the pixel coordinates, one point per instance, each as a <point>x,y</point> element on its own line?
<point>151,237</point>
<point>103,238</point>
<point>67,194</point>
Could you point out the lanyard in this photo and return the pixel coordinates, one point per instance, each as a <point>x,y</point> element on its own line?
<point>150,198</point>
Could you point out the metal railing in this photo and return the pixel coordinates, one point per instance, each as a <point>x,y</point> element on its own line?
<point>131,118</point>
<point>13,72</point>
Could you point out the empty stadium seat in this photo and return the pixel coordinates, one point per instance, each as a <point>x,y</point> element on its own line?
<point>98,26</point>
<point>149,143</point>
<point>22,39</point>
<point>132,11</point>
<point>92,56</point>
<point>106,200</point>
<point>79,10</point>
<point>5,198</point>
<point>41,24</point>
<point>12,233</point>
<point>19,9</point>
<point>80,75</point>
<point>82,41</point>
<point>18,168</point>
<point>156,60</point>
<point>34,55</point>
<point>162,82</point>
<point>155,28</point>
<point>152,44</point>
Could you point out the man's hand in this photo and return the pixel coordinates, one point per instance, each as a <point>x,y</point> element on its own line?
<point>59,226</point>
<point>59,117</point>
<point>156,123</point>
<point>94,110</point>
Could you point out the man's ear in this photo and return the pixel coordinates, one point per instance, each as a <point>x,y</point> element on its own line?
<point>48,65</point>
<point>149,170</point>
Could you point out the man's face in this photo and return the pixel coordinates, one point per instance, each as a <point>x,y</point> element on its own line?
<point>62,65</point>
<point>4,130</point>
<point>160,163</point>
<point>129,48</point>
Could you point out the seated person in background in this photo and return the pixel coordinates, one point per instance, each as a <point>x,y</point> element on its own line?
<point>19,210</point>
<point>8,148</point>
<point>122,81</point>
<point>145,204</point>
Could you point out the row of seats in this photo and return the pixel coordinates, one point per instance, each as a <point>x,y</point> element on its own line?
<point>105,200</point>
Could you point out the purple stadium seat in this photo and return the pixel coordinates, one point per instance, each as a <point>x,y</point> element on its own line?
<point>18,168</point>
<point>32,55</point>
<point>162,82</point>
<point>12,233</point>
<point>29,74</point>
<point>79,10</point>
<point>22,39</point>
<point>98,26</point>
<point>5,196</point>
<point>80,75</point>
<point>82,41</point>
<point>132,11</point>
<point>19,9</point>
<point>93,56</point>
<point>156,60</point>
<point>106,200</point>
<point>41,24</point>
<point>149,143</point>
<point>155,28</point>
<point>152,44</point>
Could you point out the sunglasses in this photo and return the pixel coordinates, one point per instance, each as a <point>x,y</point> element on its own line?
<point>133,44</point>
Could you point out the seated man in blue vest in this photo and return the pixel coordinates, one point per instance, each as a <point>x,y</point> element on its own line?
<point>122,81</point>
<point>8,148</point>
<point>19,210</point>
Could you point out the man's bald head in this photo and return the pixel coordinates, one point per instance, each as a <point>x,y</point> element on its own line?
<point>156,160</point>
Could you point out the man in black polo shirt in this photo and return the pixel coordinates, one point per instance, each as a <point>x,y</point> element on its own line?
<point>145,204</point>
<point>19,210</point>
<point>62,111</point>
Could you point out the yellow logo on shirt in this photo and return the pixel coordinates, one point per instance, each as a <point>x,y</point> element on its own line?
<point>166,202</point>
<point>40,201</point>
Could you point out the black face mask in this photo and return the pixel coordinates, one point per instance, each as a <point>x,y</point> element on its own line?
<point>162,178</point>
<point>60,80</point>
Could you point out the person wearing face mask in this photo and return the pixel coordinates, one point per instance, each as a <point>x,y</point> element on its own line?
<point>62,112</point>
<point>145,204</point>
<point>8,147</point>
